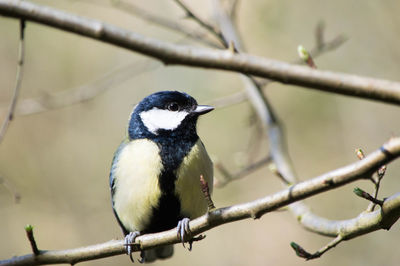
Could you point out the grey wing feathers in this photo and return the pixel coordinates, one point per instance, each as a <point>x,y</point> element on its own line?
<point>114,165</point>
<point>112,183</point>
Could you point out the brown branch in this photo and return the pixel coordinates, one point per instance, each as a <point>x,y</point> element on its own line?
<point>10,113</point>
<point>352,85</point>
<point>365,223</point>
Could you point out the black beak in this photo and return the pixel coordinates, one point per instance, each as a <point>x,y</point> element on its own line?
<point>202,109</point>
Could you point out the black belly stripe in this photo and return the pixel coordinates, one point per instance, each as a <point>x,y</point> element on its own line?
<point>168,212</point>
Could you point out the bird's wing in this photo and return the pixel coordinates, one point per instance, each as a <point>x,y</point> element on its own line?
<point>114,165</point>
<point>112,182</point>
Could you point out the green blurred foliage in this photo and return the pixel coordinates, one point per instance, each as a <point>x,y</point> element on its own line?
<point>59,160</point>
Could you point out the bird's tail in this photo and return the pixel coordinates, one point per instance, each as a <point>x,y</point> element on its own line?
<point>164,252</point>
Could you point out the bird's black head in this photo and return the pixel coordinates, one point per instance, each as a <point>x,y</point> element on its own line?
<point>165,114</point>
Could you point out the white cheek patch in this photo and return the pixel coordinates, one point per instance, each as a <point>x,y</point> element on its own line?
<point>156,119</point>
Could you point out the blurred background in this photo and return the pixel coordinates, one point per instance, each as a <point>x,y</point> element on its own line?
<point>58,158</point>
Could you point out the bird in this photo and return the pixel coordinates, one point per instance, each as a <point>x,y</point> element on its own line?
<point>155,172</point>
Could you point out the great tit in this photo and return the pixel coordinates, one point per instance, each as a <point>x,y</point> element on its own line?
<point>155,173</point>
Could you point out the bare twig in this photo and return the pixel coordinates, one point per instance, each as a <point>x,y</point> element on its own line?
<point>31,238</point>
<point>357,86</point>
<point>84,92</point>
<point>380,174</point>
<point>361,193</point>
<point>228,177</point>
<point>201,22</point>
<point>18,82</point>
<point>365,223</point>
<point>131,8</point>
<point>302,253</point>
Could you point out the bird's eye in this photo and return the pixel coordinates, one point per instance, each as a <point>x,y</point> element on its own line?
<point>173,107</point>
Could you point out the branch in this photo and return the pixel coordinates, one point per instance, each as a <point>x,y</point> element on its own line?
<point>366,222</point>
<point>351,85</point>
<point>318,50</point>
<point>280,155</point>
<point>18,82</point>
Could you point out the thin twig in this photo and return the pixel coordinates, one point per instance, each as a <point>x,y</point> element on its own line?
<point>190,14</point>
<point>31,238</point>
<point>302,253</point>
<point>10,113</point>
<point>361,193</point>
<point>380,174</point>
<point>228,177</point>
<point>131,8</point>
<point>85,92</point>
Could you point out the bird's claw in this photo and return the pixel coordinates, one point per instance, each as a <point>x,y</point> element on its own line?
<point>183,231</point>
<point>129,242</point>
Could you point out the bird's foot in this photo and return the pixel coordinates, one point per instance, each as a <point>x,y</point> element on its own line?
<point>183,231</point>
<point>130,242</point>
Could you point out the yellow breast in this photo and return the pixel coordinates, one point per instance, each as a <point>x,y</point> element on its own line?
<point>136,176</point>
<point>187,186</point>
